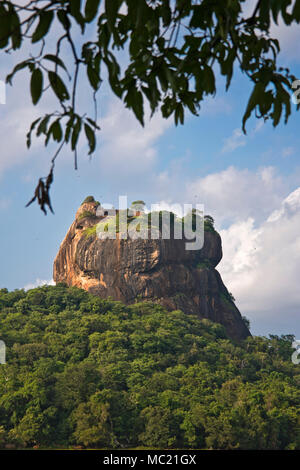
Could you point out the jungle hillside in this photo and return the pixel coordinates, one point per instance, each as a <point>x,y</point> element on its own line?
<point>83,371</point>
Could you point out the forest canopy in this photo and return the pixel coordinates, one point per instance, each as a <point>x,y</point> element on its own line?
<point>85,371</point>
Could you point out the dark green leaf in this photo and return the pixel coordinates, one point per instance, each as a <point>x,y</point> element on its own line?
<point>111,10</point>
<point>55,59</point>
<point>75,133</point>
<point>5,26</point>
<point>91,9</point>
<point>166,13</point>
<point>134,101</point>
<point>42,128</point>
<point>64,19</point>
<point>74,7</point>
<point>93,123</point>
<point>56,130</point>
<point>58,86</point>
<point>15,28</point>
<point>90,134</point>
<point>69,126</point>
<point>36,85</point>
<point>179,114</point>
<point>296,11</point>
<point>93,77</point>
<point>45,20</point>
<point>253,101</point>
<point>28,136</point>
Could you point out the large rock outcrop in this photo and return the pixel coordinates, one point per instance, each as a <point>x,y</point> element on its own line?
<point>157,270</point>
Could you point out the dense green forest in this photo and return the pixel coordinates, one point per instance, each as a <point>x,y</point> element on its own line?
<point>85,371</point>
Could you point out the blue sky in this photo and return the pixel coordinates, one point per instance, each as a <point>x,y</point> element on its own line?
<point>248,183</point>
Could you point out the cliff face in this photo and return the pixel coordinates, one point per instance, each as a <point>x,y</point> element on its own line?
<point>157,270</point>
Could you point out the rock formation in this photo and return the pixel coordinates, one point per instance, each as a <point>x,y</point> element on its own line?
<point>156,270</point>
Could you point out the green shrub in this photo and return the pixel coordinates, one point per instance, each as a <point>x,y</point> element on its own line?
<point>246,321</point>
<point>90,231</point>
<point>88,199</point>
<point>86,214</point>
<point>208,227</point>
<point>227,297</point>
<point>206,263</point>
<point>139,203</point>
<point>209,223</point>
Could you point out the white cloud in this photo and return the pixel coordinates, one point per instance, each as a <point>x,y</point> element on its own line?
<point>289,207</point>
<point>261,267</point>
<point>230,195</point>
<point>237,139</point>
<point>124,144</point>
<point>163,205</point>
<point>38,283</point>
<point>237,194</point>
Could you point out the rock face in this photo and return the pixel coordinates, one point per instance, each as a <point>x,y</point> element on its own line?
<point>159,270</point>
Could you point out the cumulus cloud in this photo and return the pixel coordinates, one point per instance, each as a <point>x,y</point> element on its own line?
<point>39,283</point>
<point>289,207</point>
<point>230,195</point>
<point>236,194</point>
<point>261,266</point>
